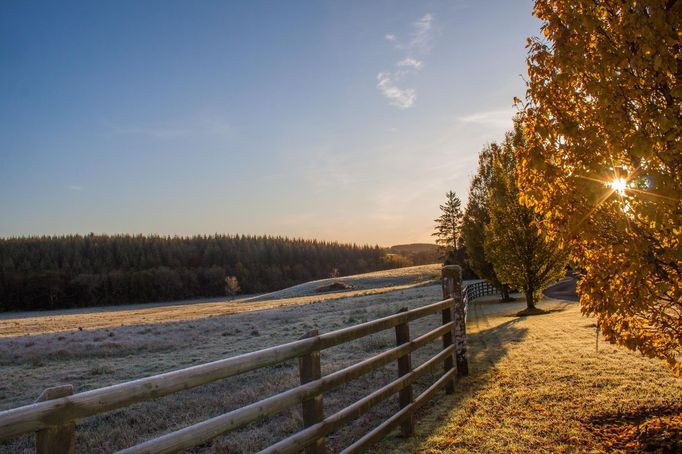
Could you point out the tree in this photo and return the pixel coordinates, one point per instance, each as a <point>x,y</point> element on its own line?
<point>448,228</point>
<point>476,218</point>
<point>232,286</point>
<point>522,256</point>
<point>76,271</point>
<point>603,162</point>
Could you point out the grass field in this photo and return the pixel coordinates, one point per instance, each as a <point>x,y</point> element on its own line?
<point>537,385</point>
<point>17,324</point>
<point>121,344</point>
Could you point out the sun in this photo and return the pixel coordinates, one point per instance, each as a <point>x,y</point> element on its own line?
<point>619,185</point>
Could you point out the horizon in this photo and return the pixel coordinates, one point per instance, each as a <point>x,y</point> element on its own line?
<point>344,123</point>
<point>208,235</point>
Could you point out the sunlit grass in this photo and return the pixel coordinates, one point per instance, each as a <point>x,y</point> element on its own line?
<point>538,385</point>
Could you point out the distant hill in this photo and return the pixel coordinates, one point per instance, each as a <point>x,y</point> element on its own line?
<point>414,248</point>
<point>425,254</point>
<point>417,253</point>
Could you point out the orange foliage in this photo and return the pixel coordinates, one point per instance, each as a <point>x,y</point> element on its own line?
<point>603,161</point>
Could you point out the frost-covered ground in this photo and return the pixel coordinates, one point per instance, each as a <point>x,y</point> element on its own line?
<point>14,324</point>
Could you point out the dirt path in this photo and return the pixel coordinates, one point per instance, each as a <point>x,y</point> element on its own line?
<point>564,289</point>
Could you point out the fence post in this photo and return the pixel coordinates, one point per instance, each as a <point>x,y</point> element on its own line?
<point>59,439</point>
<point>405,396</point>
<point>447,337</point>
<point>310,370</point>
<point>452,288</point>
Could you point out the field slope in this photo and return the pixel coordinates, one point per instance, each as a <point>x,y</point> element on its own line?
<point>120,344</point>
<point>66,320</point>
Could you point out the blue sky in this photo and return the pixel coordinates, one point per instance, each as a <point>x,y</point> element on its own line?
<point>334,120</point>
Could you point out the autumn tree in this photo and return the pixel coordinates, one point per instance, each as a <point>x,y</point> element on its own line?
<point>603,162</point>
<point>448,228</point>
<point>521,255</point>
<point>476,219</point>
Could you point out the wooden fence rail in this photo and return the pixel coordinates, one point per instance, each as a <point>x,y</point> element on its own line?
<point>478,289</point>
<point>53,417</point>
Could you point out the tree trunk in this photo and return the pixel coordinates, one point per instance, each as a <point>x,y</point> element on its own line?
<point>504,289</point>
<point>530,298</point>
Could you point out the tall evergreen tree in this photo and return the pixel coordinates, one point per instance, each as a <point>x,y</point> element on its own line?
<point>448,230</point>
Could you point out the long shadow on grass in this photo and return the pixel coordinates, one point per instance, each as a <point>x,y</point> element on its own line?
<point>645,429</point>
<point>485,348</point>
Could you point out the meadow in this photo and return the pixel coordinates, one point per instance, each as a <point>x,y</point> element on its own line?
<point>539,384</point>
<point>536,383</point>
<point>129,342</point>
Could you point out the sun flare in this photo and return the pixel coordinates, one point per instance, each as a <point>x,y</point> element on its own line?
<point>619,185</point>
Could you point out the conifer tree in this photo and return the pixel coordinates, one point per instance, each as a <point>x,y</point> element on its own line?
<point>448,230</point>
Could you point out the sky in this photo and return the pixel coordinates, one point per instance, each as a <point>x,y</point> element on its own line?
<point>337,120</point>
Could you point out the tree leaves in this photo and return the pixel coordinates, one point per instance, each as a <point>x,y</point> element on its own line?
<point>513,242</point>
<point>607,83</point>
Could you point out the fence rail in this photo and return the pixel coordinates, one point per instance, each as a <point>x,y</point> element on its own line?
<point>53,416</point>
<point>478,289</point>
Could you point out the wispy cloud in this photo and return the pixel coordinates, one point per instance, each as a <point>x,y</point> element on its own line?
<point>215,126</point>
<point>204,125</point>
<point>411,62</point>
<point>419,38</point>
<point>388,81</point>
<point>75,187</point>
<point>421,34</point>
<point>402,98</point>
<point>497,118</point>
<point>156,132</point>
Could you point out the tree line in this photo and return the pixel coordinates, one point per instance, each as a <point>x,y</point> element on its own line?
<point>75,271</point>
<point>497,237</point>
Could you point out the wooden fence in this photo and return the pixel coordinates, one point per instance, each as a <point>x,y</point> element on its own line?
<point>52,418</point>
<point>477,289</point>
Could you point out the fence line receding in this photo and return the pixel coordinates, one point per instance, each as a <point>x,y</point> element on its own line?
<point>52,418</point>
